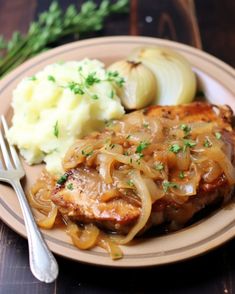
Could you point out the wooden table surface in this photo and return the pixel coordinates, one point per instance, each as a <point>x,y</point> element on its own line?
<point>206,24</point>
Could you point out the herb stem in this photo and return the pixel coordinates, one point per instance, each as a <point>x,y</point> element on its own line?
<point>54,24</point>
<point>11,58</point>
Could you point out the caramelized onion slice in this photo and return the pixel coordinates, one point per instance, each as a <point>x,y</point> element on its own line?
<point>155,192</point>
<point>183,159</point>
<point>79,152</point>
<point>146,202</point>
<point>105,162</point>
<point>113,249</point>
<point>36,201</point>
<point>186,189</point>
<point>39,195</point>
<point>137,163</point>
<point>48,222</point>
<point>137,137</point>
<point>73,156</point>
<point>214,153</point>
<point>212,170</point>
<point>201,128</point>
<point>190,186</point>
<point>83,238</point>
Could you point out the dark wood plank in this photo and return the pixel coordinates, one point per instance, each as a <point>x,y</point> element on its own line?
<point>216,19</point>
<point>117,24</point>
<point>16,15</point>
<point>15,275</point>
<point>134,31</point>
<point>210,273</point>
<point>174,20</point>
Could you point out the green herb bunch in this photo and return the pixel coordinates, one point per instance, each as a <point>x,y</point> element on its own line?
<point>51,26</point>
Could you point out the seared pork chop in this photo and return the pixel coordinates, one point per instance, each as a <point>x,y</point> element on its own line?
<point>86,198</point>
<point>185,155</point>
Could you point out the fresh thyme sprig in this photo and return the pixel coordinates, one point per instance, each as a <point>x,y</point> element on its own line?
<point>51,26</point>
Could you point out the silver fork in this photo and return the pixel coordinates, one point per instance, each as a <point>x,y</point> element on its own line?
<point>42,262</point>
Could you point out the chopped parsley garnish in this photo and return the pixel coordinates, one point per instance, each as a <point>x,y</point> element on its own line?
<point>175,148</point>
<point>70,186</point>
<point>128,137</point>
<point>117,256</point>
<point>189,143</point>
<point>51,78</point>
<point>111,95</point>
<point>130,183</point>
<point>127,153</point>
<point>108,123</point>
<point>91,79</point>
<point>62,179</point>
<point>138,161</point>
<point>111,146</point>
<point>146,125</point>
<point>166,185</point>
<point>143,145</point>
<point>181,175</point>
<point>33,78</point>
<point>76,88</point>
<point>56,129</point>
<point>159,166</point>
<point>218,135</point>
<point>186,129</point>
<point>86,154</point>
<point>95,97</point>
<point>140,155</point>
<point>207,143</point>
<point>113,76</point>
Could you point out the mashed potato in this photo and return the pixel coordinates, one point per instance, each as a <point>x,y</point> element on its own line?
<point>62,102</point>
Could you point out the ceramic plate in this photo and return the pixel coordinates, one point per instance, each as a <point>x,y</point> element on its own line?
<point>217,81</point>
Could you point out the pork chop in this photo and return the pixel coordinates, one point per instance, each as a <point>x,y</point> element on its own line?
<point>165,144</point>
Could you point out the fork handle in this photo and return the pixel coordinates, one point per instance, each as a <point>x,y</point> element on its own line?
<point>42,262</point>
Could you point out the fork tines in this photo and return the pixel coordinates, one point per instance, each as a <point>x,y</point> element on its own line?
<point>8,151</point>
